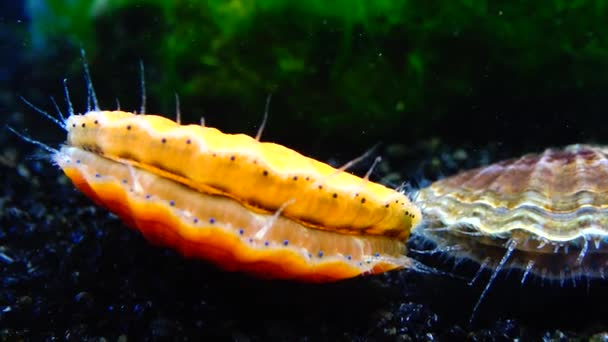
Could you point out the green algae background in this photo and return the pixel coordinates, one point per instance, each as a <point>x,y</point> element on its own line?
<point>347,73</point>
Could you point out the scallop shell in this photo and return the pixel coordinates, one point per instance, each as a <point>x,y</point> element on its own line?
<point>245,205</point>
<point>542,213</point>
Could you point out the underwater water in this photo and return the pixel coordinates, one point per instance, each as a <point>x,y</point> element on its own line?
<point>441,88</point>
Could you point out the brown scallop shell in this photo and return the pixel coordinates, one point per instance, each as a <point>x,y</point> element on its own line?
<point>549,208</point>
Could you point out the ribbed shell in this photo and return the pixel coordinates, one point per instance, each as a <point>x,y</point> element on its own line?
<point>559,195</point>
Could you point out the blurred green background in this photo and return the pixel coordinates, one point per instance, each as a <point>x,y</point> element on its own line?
<point>344,74</point>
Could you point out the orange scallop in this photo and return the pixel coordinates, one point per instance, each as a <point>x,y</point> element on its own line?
<point>223,231</point>
<point>244,205</point>
<point>262,176</point>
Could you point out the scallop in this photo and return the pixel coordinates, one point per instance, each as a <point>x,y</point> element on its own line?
<point>543,214</point>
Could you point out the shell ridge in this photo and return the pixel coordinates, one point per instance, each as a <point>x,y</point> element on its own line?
<point>493,170</point>
<point>533,196</point>
<point>513,218</point>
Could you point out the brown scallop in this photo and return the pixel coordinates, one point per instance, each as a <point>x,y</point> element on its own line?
<point>544,214</point>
